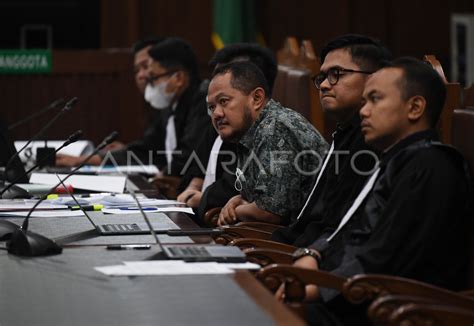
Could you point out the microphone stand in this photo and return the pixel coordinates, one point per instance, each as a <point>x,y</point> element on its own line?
<point>27,243</point>
<point>51,106</point>
<point>66,108</point>
<point>21,193</point>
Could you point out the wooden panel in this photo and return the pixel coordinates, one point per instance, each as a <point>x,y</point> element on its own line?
<point>103,81</point>
<point>126,21</point>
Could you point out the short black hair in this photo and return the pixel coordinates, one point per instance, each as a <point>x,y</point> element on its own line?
<point>262,57</point>
<point>147,41</point>
<point>246,76</point>
<point>419,78</point>
<point>176,53</point>
<point>367,52</point>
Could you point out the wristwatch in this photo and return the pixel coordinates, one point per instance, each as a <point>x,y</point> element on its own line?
<point>301,252</point>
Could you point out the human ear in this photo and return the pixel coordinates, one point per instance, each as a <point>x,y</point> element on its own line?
<point>176,81</point>
<point>258,97</point>
<point>416,107</point>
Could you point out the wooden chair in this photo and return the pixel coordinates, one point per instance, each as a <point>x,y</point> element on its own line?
<point>235,232</point>
<point>468,97</point>
<point>253,243</point>
<point>382,309</point>
<point>265,257</point>
<point>462,135</point>
<point>453,100</point>
<point>296,279</point>
<point>289,54</point>
<point>287,58</point>
<point>387,293</point>
<point>431,314</point>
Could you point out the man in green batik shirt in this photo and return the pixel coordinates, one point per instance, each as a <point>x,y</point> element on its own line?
<point>279,152</point>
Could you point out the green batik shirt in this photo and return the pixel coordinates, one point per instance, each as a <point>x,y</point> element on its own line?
<point>279,158</point>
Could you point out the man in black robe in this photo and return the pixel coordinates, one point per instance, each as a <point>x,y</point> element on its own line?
<point>153,135</point>
<point>413,213</point>
<point>346,64</point>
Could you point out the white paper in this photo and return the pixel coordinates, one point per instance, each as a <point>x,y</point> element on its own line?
<point>164,267</point>
<point>127,169</point>
<point>55,213</point>
<point>17,206</point>
<point>188,210</point>
<point>247,265</point>
<point>78,148</point>
<point>147,210</point>
<point>113,184</point>
<point>122,200</point>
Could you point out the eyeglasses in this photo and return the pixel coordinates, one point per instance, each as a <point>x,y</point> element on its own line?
<point>333,76</point>
<point>152,79</point>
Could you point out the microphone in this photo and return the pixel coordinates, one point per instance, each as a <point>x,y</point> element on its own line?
<point>26,243</point>
<point>55,104</point>
<point>68,106</point>
<point>11,191</point>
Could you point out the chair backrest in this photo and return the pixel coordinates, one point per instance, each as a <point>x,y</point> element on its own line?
<point>453,100</point>
<point>288,55</point>
<point>462,136</point>
<point>468,97</point>
<point>279,87</point>
<point>293,86</point>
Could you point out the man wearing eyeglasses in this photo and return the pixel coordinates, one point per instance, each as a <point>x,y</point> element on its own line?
<point>119,150</point>
<point>412,217</point>
<point>175,88</point>
<point>347,62</point>
<point>278,151</point>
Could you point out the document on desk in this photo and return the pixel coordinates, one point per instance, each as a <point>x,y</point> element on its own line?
<point>127,169</point>
<point>53,213</point>
<point>127,200</point>
<point>114,184</point>
<point>8,205</point>
<point>128,210</point>
<point>167,267</point>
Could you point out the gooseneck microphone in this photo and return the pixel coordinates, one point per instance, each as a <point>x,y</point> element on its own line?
<point>51,106</point>
<point>68,106</point>
<point>26,243</point>
<point>12,192</point>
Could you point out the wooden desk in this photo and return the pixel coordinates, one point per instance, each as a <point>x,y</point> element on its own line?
<point>66,290</point>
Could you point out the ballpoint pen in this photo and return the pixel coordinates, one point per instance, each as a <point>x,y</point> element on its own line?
<point>129,247</point>
<point>136,208</point>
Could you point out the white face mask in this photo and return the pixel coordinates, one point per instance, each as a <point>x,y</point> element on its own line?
<point>157,96</point>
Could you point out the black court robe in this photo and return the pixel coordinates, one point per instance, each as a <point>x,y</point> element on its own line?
<point>190,120</point>
<point>340,183</point>
<point>414,224</point>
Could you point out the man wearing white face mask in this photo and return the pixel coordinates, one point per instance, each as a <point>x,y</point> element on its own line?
<point>175,88</point>
<point>122,153</point>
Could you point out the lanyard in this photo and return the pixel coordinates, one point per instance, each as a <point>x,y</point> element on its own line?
<point>317,179</point>
<point>357,202</point>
